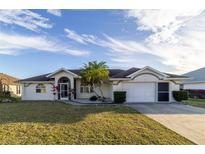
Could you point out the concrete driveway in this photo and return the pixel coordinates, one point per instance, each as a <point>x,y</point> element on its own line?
<point>186,120</point>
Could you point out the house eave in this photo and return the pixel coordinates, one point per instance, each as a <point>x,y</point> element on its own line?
<point>36,82</point>
<point>117,79</point>
<point>176,78</point>
<point>192,82</point>
<point>62,69</point>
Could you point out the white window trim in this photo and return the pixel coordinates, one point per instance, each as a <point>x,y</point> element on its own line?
<point>84,89</point>
<point>42,89</point>
<point>18,89</point>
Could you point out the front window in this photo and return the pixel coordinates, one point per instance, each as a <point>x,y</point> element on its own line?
<point>40,88</point>
<point>5,87</point>
<point>86,89</point>
<point>18,89</point>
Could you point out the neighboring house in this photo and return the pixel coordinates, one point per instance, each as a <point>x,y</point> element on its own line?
<point>197,80</point>
<point>141,85</point>
<point>9,83</point>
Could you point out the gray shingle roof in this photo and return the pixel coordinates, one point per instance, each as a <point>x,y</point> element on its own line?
<point>113,73</point>
<point>125,73</point>
<point>197,75</point>
<point>38,78</point>
<point>75,71</point>
<point>7,79</point>
<point>176,76</point>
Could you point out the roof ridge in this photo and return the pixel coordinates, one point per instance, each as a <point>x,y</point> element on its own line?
<point>9,75</point>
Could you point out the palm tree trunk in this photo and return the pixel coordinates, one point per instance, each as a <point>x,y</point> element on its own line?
<point>101,91</point>
<point>95,91</point>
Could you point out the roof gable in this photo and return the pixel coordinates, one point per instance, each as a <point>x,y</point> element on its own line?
<point>147,68</point>
<point>60,70</point>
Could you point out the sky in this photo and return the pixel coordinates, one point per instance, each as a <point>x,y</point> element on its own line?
<point>34,42</point>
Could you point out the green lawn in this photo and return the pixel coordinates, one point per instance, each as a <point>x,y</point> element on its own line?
<point>47,123</point>
<point>196,102</point>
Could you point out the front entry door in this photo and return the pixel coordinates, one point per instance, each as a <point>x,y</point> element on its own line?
<point>64,91</point>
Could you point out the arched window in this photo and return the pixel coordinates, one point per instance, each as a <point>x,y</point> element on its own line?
<point>40,88</point>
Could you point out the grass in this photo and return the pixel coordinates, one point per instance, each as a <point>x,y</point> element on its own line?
<point>48,123</point>
<point>195,102</point>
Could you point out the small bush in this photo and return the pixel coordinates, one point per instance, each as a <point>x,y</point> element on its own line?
<point>6,98</point>
<point>180,95</point>
<point>93,98</point>
<point>7,93</point>
<point>119,96</point>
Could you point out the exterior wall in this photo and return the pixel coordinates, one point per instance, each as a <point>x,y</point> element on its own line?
<point>13,88</point>
<point>29,92</point>
<point>64,74</point>
<point>106,88</point>
<point>147,78</point>
<point>148,72</point>
<point>118,86</point>
<point>173,87</point>
<point>194,86</point>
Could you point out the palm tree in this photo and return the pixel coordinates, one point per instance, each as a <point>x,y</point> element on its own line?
<point>94,74</point>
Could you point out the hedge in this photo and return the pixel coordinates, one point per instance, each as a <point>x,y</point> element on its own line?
<point>180,95</point>
<point>196,93</point>
<point>119,96</point>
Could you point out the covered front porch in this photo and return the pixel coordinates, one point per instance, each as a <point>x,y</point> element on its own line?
<point>68,86</point>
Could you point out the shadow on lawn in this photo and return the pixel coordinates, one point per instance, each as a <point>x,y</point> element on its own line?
<point>56,112</point>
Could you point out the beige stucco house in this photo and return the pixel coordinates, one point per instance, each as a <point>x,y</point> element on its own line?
<point>142,85</point>
<point>9,83</point>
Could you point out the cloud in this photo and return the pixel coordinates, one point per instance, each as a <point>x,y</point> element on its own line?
<point>24,18</point>
<point>181,57</point>
<point>13,44</point>
<point>175,40</point>
<point>163,23</point>
<point>55,12</point>
<point>83,38</point>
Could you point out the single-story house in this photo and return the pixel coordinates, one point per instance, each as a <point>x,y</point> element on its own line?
<point>141,85</point>
<point>197,80</point>
<point>9,83</point>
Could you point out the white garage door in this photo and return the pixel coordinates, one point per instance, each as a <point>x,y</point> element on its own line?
<point>140,92</point>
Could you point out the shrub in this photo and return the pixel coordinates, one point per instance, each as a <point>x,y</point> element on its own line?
<point>93,98</point>
<point>180,95</point>
<point>196,94</point>
<point>8,99</point>
<point>119,96</point>
<point>5,94</point>
<point>5,97</point>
